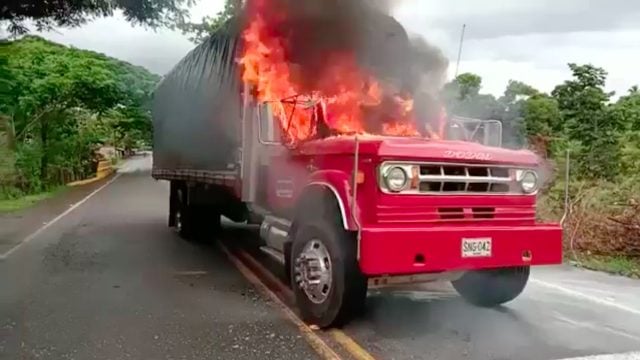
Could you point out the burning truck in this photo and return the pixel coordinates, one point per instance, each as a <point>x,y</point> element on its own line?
<point>315,120</point>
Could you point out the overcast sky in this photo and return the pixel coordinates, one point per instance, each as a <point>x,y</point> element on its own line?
<point>527,40</point>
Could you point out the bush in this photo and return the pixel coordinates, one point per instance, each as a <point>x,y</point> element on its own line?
<point>9,193</point>
<point>604,217</point>
<point>28,179</point>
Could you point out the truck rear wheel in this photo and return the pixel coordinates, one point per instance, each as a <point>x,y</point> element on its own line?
<point>195,222</point>
<point>207,223</point>
<point>183,216</point>
<point>325,277</point>
<point>489,288</point>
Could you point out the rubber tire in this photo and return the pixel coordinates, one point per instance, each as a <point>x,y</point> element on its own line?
<point>208,223</point>
<point>199,223</point>
<point>348,292</point>
<point>183,216</point>
<point>204,223</point>
<point>490,288</point>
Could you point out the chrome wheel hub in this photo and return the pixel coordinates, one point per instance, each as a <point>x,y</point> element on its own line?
<point>312,271</point>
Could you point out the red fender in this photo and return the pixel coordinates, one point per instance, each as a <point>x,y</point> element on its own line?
<point>339,184</point>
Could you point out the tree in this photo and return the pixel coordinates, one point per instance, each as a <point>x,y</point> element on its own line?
<point>626,113</point>
<point>7,159</point>
<point>541,123</point>
<point>462,97</point>
<point>517,90</point>
<point>59,102</point>
<point>51,83</point>
<point>626,110</point>
<point>7,91</point>
<point>210,24</point>
<point>583,100</point>
<point>541,115</point>
<point>71,13</point>
<point>583,104</point>
<point>511,112</point>
<point>463,87</point>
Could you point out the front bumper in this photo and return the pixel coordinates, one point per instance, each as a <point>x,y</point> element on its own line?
<point>393,251</point>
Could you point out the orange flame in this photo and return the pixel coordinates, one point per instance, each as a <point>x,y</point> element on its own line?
<point>350,96</point>
<point>440,132</point>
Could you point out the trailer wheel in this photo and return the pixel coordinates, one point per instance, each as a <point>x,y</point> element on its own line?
<point>184,216</point>
<point>325,277</point>
<point>207,223</point>
<point>489,288</point>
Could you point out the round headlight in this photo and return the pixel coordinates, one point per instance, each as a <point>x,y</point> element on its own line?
<point>529,182</point>
<point>396,179</point>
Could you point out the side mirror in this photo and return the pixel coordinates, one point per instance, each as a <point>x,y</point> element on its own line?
<point>269,129</point>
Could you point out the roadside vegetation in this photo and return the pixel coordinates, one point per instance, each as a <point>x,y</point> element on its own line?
<point>58,106</point>
<point>602,138</point>
<point>10,205</point>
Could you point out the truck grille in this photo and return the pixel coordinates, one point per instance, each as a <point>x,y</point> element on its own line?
<point>459,213</point>
<point>464,179</point>
<point>497,211</point>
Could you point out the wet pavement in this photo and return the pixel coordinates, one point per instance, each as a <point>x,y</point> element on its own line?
<point>111,281</point>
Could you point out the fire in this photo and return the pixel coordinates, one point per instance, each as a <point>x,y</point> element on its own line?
<point>439,133</point>
<point>352,99</point>
<point>265,67</point>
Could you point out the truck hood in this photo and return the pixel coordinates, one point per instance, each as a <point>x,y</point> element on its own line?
<point>399,148</point>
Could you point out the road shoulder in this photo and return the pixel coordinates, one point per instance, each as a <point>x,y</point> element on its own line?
<point>17,226</point>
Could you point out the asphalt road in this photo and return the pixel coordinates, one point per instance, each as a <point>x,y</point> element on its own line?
<point>109,280</point>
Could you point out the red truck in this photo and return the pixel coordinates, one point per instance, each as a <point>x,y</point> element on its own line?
<point>347,213</point>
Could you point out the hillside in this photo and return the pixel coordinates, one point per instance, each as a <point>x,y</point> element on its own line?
<point>57,105</point>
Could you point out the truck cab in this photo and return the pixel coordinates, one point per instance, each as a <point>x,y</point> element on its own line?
<point>347,213</point>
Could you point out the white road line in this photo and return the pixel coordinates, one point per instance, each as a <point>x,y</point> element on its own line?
<point>57,218</point>
<point>619,356</point>
<point>595,327</point>
<point>584,296</point>
<point>190,273</point>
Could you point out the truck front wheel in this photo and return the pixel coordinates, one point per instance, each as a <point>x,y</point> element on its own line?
<point>489,288</point>
<point>327,283</point>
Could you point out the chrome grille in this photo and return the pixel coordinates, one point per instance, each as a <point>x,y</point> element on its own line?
<point>464,179</point>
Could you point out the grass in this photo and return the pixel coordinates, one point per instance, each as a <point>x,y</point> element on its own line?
<point>25,202</point>
<point>616,265</point>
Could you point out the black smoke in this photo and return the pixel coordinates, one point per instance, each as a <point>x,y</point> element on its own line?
<point>313,31</point>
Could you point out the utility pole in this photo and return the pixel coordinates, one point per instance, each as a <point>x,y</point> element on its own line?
<point>464,28</point>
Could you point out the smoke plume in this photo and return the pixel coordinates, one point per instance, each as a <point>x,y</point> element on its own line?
<point>316,32</point>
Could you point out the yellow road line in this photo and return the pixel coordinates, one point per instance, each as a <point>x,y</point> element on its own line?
<point>287,294</point>
<point>314,340</point>
<point>350,345</point>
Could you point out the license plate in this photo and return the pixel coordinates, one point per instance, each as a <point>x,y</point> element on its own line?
<point>480,247</point>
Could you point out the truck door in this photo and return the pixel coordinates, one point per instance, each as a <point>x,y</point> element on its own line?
<point>281,174</point>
